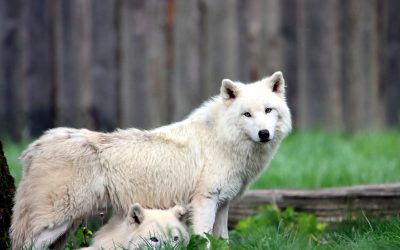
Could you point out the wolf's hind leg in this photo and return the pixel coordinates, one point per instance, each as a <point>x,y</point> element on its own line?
<point>48,236</point>
<point>60,242</point>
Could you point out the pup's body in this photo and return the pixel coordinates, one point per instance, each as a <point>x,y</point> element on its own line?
<point>205,160</point>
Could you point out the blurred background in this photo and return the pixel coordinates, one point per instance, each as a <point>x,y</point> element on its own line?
<point>130,63</point>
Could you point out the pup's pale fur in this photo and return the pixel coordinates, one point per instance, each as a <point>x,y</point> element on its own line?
<point>205,160</point>
<point>143,227</point>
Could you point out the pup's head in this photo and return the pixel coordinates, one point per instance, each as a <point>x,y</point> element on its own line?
<point>257,110</point>
<point>155,228</point>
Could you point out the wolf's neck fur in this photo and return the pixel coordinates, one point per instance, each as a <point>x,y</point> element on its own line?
<point>207,111</point>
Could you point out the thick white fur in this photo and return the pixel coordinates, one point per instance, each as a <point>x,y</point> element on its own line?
<point>206,160</point>
<point>127,233</point>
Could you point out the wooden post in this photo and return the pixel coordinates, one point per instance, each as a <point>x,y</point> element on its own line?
<point>185,84</point>
<point>329,204</point>
<point>290,47</point>
<point>220,38</point>
<point>37,66</point>
<point>103,65</point>
<point>72,50</point>
<point>7,190</point>
<point>318,62</point>
<point>390,79</point>
<point>11,118</point>
<point>360,65</point>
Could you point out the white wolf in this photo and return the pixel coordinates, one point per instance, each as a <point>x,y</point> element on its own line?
<point>143,227</point>
<point>205,161</point>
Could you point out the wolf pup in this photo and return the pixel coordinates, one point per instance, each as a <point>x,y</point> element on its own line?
<point>204,161</point>
<point>143,227</point>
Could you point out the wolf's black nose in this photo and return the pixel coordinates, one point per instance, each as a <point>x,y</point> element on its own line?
<point>264,135</point>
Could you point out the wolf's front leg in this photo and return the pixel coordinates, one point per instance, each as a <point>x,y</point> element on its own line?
<point>220,228</point>
<point>204,210</point>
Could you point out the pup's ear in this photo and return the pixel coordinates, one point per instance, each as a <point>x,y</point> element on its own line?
<point>277,83</point>
<point>136,214</point>
<point>182,213</point>
<point>229,90</point>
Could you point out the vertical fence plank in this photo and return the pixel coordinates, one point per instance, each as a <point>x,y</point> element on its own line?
<point>289,18</point>
<point>243,70</point>
<point>253,37</point>
<point>330,67</point>
<point>362,65</point>
<point>11,115</point>
<point>128,26</point>
<point>371,65</point>
<point>169,56</point>
<point>221,44</point>
<point>270,49</point>
<point>265,41</point>
<point>142,63</point>
<point>84,13</point>
<point>363,75</point>
<point>37,66</point>
<point>303,114</point>
<point>131,29</point>
<point>228,42</point>
<point>66,80</point>
<point>73,78</point>
<point>103,108</point>
<point>156,68</point>
<point>318,65</point>
<point>346,27</point>
<point>391,62</point>
<point>186,87</point>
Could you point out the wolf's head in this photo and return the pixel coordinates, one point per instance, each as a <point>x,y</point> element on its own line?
<point>258,111</point>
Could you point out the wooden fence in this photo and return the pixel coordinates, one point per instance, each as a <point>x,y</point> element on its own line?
<point>121,63</point>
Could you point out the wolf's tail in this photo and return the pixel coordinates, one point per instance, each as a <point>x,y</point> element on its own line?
<point>20,226</point>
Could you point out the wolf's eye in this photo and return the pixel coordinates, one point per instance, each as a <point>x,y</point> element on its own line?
<point>154,239</point>
<point>247,114</point>
<point>268,110</point>
<point>176,238</point>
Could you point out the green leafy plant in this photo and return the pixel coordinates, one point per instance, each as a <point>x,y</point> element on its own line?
<point>198,242</point>
<point>300,223</point>
<point>81,238</point>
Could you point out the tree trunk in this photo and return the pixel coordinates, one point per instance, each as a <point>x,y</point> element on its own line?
<point>7,190</point>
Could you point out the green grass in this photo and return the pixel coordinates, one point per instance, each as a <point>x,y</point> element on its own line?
<point>379,234</point>
<point>314,159</point>
<point>320,159</point>
<point>359,234</point>
<point>12,151</point>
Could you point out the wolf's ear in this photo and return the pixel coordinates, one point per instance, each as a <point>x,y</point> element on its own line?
<point>182,213</point>
<point>229,90</point>
<point>136,214</point>
<point>277,83</point>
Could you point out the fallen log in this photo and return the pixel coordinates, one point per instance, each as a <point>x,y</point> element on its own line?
<point>328,204</point>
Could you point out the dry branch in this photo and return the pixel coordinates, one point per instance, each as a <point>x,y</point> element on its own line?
<point>330,204</point>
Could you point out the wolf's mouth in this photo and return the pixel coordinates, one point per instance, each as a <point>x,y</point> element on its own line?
<point>265,140</point>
